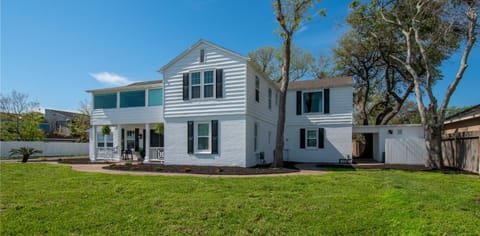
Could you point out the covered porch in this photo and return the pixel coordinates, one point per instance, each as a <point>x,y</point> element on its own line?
<point>127,142</point>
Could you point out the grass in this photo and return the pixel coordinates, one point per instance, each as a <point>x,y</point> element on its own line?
<point>39,199</point>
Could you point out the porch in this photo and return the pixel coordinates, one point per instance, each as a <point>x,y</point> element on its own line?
<point>128,142</point>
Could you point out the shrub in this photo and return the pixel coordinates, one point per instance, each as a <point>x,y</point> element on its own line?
<point>25,152</point>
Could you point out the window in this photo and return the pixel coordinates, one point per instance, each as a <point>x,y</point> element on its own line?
<point>311,137</point>
<point>196,84</point>
<point>257,89</point>
<point>312,102</point>
<point>270,98</point>
<point>203,84</point>
<point>255,137</point>
<point>105,101</point>
<point>203,137</point>
<point>104,140</point>
<point>132,99</point>
<point>208,84</point>
<point>155,97</point>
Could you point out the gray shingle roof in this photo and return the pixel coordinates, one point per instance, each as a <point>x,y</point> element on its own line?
<point>321,83</point>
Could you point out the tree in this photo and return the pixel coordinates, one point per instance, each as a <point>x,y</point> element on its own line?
<point>426,25</point>
<point>20,118</point>
<point>81,122</point>
<point>25,152</point>
<point>269,59</point>
<point>289,15</point>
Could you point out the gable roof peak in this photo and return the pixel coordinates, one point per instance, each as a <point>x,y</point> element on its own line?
<point>195,45</point>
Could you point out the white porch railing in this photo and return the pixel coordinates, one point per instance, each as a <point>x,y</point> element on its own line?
<point>156,154</point>
<point>104,153</point>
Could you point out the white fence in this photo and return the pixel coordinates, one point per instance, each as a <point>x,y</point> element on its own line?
<point>48,148</point>
<point>410,151</point>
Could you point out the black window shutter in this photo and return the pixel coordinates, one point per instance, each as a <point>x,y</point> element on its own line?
<point>185,86</point>
<point>219,83</point>
<point>326,105</point>
<point>137,132</point>
<point>123,139</point>
<point>321,138</point>
<point>299,103</point>
<point>302,138</point>
<point>190,137</point>
<point>144,139</point>
<point>214,136</point>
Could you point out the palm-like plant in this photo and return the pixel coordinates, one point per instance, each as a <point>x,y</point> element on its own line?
<point>25,152</point>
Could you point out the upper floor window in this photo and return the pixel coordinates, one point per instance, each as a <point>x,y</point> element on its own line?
<point>202,84</point>
<point>196,85</point>
<point>132,98</point>
<point>155,97</point>
<point>257,89</point>
<point>104,101</point>
<point>208,84</point>
<point>312,102</point>
<point>270,98</point>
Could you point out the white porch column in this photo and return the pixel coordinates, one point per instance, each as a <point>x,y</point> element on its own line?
<point>93,143</point>
<point>117,142</point>
<point>147,143</point>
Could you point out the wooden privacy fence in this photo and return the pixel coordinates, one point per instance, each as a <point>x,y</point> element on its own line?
<point>461,150</point>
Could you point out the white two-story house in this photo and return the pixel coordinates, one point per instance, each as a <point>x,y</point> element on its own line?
<point>219,109</point>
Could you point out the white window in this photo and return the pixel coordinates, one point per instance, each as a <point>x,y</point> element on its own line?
<point>203,137</point>
<point>202,84</point>
<point>312,102</point>
<point>257,89</point>
<point>196,84</point>
<point>255,137</point>
<point>104,140</point>
<point>208,84</point>
<point>311,138</point>
<point>269,98</point>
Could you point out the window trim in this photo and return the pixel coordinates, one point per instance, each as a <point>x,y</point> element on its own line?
<point>316,138</point>
<point>303,102</point>
<point>196,136</point>
<point>202,84</point>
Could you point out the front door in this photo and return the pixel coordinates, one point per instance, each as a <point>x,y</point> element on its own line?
<point>130,139</point>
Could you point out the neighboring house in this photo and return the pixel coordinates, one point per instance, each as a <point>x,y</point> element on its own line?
<point>219,109</point>
<point>59,121</point>
<point>465,121</point>
<point>461,140</point>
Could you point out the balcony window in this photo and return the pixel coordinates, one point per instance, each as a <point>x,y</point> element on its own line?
<point>155,97</point>
<point>312,102</point>
<point>132,99</point>
<point>105,101</point>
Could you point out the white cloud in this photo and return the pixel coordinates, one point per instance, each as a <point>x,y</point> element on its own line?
<point>111,78</point>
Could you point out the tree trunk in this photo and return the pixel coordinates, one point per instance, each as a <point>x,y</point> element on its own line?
<point>25,158</point>
<point>433,140</point>
<point>282,106</point>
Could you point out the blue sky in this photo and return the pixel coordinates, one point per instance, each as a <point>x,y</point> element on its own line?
<point>54,50</point>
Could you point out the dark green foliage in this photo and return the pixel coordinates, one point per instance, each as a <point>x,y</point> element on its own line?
<point>26,152</point>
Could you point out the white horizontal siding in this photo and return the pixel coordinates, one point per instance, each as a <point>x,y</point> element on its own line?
<point>338,144</point>
<point>341,109</point>
<point>231,142</point>
<point>234,74</point>
<point>131,115</point>
<point>259,110</point>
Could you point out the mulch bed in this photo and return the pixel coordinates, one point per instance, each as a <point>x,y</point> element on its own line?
<point>79,161</point>
<point>206,170</point>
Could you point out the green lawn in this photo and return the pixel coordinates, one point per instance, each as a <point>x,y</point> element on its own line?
<point>38,199</point>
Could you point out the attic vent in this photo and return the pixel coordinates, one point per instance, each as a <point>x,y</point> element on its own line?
<point>202,55</point>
